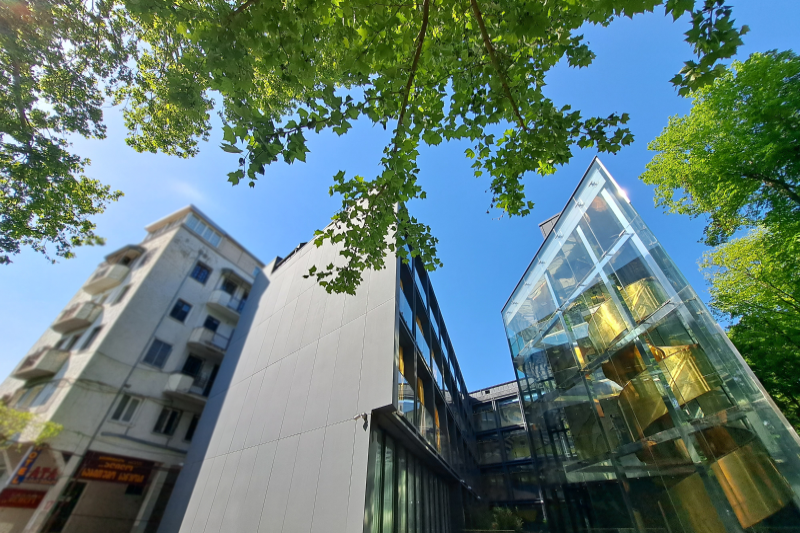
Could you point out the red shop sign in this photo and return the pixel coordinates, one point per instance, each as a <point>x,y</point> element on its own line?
<point>115,468</point>
<point>22,498</point>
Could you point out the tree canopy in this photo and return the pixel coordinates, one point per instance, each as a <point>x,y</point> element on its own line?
<point>431,70</point>
<point>735,156</point>
<point>754,281</point>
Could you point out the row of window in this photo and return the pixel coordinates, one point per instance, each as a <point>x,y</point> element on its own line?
<point>166,423</point>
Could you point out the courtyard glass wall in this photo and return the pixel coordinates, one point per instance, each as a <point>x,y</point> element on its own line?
<point>642,416</point>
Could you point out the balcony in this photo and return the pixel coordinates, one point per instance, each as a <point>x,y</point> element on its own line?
<point>106,277</point>
<point>207,342</point>
<point>79,315</point>
<point>226,305</point>
<point>44,362</point>
<point>186,389</point>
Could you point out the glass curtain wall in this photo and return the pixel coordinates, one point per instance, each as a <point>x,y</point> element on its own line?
<point>641,413</point>
<point>403,495</point>
<point>428,380</point>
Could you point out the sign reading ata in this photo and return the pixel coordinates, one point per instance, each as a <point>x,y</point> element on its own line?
<point>43,475</point>
<point>115,468</point>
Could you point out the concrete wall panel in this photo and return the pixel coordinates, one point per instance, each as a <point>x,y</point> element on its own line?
<point>346,376</point>
<point>226,425</point>
<point>282,335</point>
<point>259,419</point>
<point>298,394</point>
<point>358,480</point>
<point>302,495</point>
<point>298,322</point>
<point>319,392</point>
<point>233,520</point>
<point>279,485</point>
<point>257,489</point>
<point>223,493</point>
<point>316,312</point>
<point>356,305</point>
<point>246,416</point>
<point>377,370</point>
<point>275,411</point>
<point>330,511</point>
<point>269,340</point>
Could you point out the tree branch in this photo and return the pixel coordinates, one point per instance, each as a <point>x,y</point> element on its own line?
<point>241,8</point>
<point>490,49</point>
<point>414,63</point>
<point>23,119</point>
<point>782,186</point>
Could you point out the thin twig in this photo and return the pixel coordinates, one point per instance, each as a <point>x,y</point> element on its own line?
<point>490,49</point>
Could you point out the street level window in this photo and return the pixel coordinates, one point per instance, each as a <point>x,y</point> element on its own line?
<point>126,408</point>
<point>201,272</point>
<point>180,310</point>
<point>158,353</point>
<point>167,421</point>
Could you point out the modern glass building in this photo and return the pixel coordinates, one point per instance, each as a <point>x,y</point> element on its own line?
<point>642,415</point>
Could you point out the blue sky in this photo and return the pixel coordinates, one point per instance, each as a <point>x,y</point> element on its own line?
<point>483,256</point>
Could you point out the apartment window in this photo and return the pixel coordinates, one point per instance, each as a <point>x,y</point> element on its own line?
<point>180,310</point>
<point>204,230</point>
<point>28,396</point>
<point>192,366</point>
<point>192,428</point>
<point>126,408</point>
<point>158,353</point>
<point>167,421</point>
<point>211,323</point>
<point>70,344</point>
<point>201,272</point>
<point>145,258</point>
<point>92,336</point>
<point>122,294</point>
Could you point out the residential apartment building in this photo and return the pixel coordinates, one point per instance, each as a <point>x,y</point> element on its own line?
<point>342,413</point>
<point>641,414</point>
<point>127,369</point>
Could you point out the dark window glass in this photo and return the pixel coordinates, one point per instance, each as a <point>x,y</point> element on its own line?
<point>125,408</point>
<point>211,323</point>
<point>158,353</point>
<point>134,490</point>
<point>201,272</point>
<point>180,310</point>
<point>192,427</point>
<point>167,421</point>
<point>72,341</point>
<point>125,261</point>
<point>192,366</point>
<point>92,336</point>
<point>122,294</point>
<point>229,286</point>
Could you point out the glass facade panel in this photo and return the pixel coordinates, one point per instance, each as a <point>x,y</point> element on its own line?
<point>516,445</point>
<point>510,413</point>
<point>484,418</point>
<point>489,450</point>
<point>641,414</point>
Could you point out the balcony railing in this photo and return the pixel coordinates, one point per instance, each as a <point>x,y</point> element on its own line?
<point>79,315</point>
<point>226,304</point>
<point>43,362</point>
<point>184,387</point>
<point>106,277</point>
<point>208,342</point>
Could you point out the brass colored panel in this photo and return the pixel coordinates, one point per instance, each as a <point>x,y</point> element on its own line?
<point>605,325</point>
<point>641,403</point>
<point>624,365</point>
<point>752,484</point>
<point>694,506</point>
<point>688,372</point>
<point>640,297</point>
